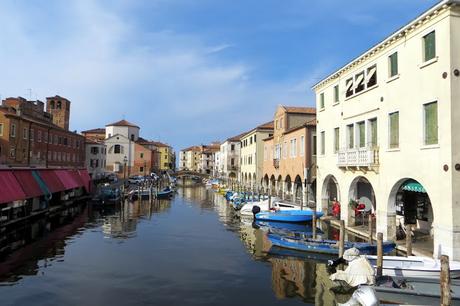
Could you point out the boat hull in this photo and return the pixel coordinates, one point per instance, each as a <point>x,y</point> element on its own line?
<point>295,216</point>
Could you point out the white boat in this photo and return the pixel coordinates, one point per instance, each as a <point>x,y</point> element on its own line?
<point>414,266</point>
<point>263,205</point>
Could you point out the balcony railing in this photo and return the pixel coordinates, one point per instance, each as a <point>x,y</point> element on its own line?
<point>358,157</point>
<point>276,163</point>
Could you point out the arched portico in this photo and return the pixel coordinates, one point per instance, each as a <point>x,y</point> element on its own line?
<point>361,198</point>
<point>330,192</point>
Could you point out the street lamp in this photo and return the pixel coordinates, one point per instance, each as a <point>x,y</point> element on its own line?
<point>125,160</point>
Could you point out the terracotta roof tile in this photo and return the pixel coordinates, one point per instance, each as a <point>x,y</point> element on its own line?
<point>300,110</point>
<point>95,131</point>
<point>123,123</point>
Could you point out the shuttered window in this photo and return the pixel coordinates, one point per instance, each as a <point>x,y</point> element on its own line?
<point>429,45</point>
<point>394,130</point>
<point>336,140</point>
<point>373,131</point>
<point>362,134</point>
<point>323,143</point>
<point>393,64</point>
<point>336,93</point>
<point>431,123</point>
<point>351,136</point>
<point>321,100</point>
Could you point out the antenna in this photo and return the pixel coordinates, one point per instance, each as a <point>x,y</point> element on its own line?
<point>29,90</point>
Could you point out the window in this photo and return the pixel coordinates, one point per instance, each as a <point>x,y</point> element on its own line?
<point>55,139</point>
<point>302,145</point>
<point>393,64</point>
<point>373,132</point>
<point>142,155</point>
<point>13,130</point>
<point>431,123</point>
<point>285,149</point>
<point>394,130</point>
<point>336,140</point>
<point>362,134</point>
<point>429,46</point>
<point>117,149</point>
<point>12,153</point>
<point>351,136</point>
<point>232,148</point>
<point>349,88</point>
<point>132,137</point>
<point>293,147</point>
<point>254,138</point>
<point>39,136</point>
<point>1,129</point>
<point>336,93</point>
<point>32,134</point>
<point>323,143</point>
<point>232,161</point>
<point>314,145</point>
<point>94,150</point>
<point>250,140</point>
<point>359,82</point>
<point>321,100</point>
<point>24,133</point>
<point>371,76</point>
<point>141,169</point>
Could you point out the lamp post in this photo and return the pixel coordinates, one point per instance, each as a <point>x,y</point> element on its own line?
<point>125,159</point>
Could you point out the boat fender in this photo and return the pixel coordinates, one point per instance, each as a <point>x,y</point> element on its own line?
<point>255,210</point>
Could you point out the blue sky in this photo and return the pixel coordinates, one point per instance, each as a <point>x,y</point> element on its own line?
<point>186,71</point>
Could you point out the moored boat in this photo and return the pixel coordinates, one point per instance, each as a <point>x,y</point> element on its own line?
<point>264,207</point>
<point>325,246</point>
<point>166,193</point>
<point>288,215</point>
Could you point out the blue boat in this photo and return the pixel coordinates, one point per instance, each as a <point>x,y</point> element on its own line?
<point>288,215</point>
<point>325,246</point>
<point>166,193</point>
<point>286,227</point>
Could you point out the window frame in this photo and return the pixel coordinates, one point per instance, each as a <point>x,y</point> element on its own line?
<point>390,145</point>
<point>424,46</point>
<point>425,124</point>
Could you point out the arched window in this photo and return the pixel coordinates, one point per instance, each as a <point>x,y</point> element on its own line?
<point>132,137</point>
<point>59,105</point>
<point>52,104</point>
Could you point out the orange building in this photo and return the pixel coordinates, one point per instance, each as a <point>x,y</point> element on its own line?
<point>290,154</point>
<point>95,134</point>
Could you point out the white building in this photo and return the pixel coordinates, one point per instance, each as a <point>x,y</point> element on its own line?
<point>95,158</point>
<point>216,172</point>
<point>388,131</point>
<point>230,152</point>
<point>207,157</point>
<point>252,154</point>
<point>120,142</point>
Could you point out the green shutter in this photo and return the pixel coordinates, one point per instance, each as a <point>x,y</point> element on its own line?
<point>336,93</point>
<point>374,132</point>
<point>321,99</point>
<point>323,143</point>
<point>394,64</point>
<point>336,139</point>
<point>362,134</point>
<point>431,123</point>
<point>351,138</point>
<point>430,46</point>
<point>394,130</point>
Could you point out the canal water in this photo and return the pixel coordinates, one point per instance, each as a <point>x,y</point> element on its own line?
<point>191,250</point>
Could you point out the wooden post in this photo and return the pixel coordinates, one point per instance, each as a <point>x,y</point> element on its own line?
<point>446,296</point>
<point>379,253</point>
<point>269,202</point>
<point>313,224</point>
<point>370,228</point>
<point>342,238</point>
<point>408,240</point>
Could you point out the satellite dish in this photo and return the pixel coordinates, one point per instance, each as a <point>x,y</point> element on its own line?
<point>367,202</point>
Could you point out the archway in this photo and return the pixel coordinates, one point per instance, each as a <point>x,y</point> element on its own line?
<point>298,189</point>
<point>361,201</point>
<point>279,189</point>
<point>245,180</point>
<point>265,181</point>
<point>409,203</point>
<point>249,181</point>
<point>288,190</point>
<point>330,193</point>
<point>272,184</point>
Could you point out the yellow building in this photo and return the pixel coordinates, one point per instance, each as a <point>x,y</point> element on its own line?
<point>166,156</point>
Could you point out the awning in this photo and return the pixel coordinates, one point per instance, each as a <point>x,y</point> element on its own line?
<point>77,177</point>
<point>10,189</point>
<point>28,183</point>
<point>51,180</point>
<point>67,179</point>
<point>413,186</point>
<point>85,178</point>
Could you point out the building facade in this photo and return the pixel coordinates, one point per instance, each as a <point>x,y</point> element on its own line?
<point>230,154</point>
<point>388,125</point>
<point>252,150</point>
<point>30,137</point>
<point>289,160</point>
<point>95,158</point>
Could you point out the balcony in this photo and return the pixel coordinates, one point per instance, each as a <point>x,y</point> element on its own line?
<point>276,163</point>
<point>358,157</point>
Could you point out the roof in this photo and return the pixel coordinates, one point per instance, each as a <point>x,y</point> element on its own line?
<point>299,109</point>
<point>388,42</point>
<point>192,148</point>
<point>237,137</point>
<point>309,123</point>
<point>95,131</point>
<point>123,123</point>
<point>92,141</point>
<point>266,125</point>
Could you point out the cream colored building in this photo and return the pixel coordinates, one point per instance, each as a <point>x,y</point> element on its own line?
<point>230,152</point>
<point>190,158</point>
<point>252,154</point>
<point>388,131</point>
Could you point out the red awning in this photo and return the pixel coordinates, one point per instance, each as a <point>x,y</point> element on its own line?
<point>10,189</point>
<point>28,183</point>
<point>85,178</point>
<point>67,179</point>
<point>77,177</point>
<point>51,180</point>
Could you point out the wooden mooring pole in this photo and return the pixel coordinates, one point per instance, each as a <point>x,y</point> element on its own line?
<point>446,296</point>
<point>313,224</point>
<point>408,240</point>
<point>342,238</point>
<point>370,228</point>
<point>379,254</point>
